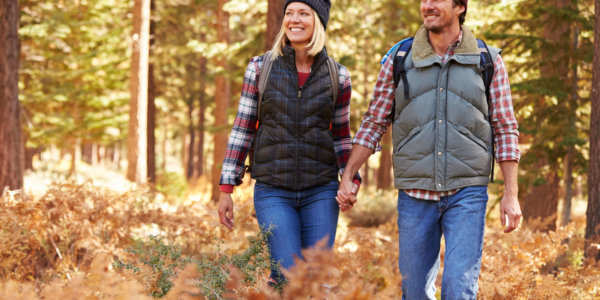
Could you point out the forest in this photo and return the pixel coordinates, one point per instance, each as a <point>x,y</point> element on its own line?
<point>114,122</point>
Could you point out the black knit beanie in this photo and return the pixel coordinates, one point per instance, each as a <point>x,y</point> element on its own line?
<point>320,6</point>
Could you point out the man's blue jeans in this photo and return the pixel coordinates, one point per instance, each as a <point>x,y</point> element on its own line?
<point>298,219</point>
<point>421,223</point>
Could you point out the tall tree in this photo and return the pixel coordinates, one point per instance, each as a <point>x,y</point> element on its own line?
<point>201,113</point>
<point>550,111</point>
<point>274,19</point>
<point>11,170</point>
<point>151,145</point>
<point>137,137</point>
<point>191,132</point>
<point>592,231</point>
<point>222,97</point>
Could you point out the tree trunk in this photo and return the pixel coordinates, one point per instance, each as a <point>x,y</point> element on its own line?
<point>384,174</point>
<point>274,19</point>
<point>164,147</point>
<point>222,95</point>
<point>592,230</point>
<point>151,146</point>
<point>201,113</point>
<point>11,170</point>
<point>566,212</point>
<point>138,109</point>
<point>568,180</point>
<point>189,167</point>
<point>542,200</point>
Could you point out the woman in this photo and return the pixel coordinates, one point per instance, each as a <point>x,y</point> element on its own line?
<point>300,143</point>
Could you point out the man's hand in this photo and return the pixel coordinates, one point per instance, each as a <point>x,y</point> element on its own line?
<point>510,210</point>
<point>346,195</point>
<point>226,210</point>
<point>510,213</point>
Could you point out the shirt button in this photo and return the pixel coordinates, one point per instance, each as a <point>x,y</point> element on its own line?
<point>439,153</point>
<point>440,121</point>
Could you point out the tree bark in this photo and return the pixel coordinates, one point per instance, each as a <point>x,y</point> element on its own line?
<point>567,201</point>
<point>542,200</point>
<point>138,109</point>
<point>151,146</point>
<point>384,174</point>
<point>274,19</point>
<point>566,212</point>
<point>201,113</point>
<point>192,142</point>
<point>222,95</point>
<point>11,170</point>
<point>592,230</point>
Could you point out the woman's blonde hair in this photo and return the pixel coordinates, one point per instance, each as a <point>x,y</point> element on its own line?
<point>318,41</point>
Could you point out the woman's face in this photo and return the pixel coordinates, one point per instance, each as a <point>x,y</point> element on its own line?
<point>299,23</point>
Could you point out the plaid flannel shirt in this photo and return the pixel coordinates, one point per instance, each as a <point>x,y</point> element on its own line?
<point>244,127</point>
<point>378,116</point>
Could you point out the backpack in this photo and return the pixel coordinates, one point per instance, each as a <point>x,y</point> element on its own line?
<point>486,67</point>
<point>265,71</point>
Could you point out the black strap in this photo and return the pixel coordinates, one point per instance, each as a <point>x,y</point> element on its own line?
<point>486,66</point>
<point>399,70</point>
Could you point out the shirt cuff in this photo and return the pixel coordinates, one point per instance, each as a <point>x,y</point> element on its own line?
<point>226,188</point>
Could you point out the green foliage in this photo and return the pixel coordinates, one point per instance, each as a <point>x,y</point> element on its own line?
<point>253,261</point>
<point>164,259</point>
<point>74,68</point>
<point>548,52</point>
<point>167,260</point>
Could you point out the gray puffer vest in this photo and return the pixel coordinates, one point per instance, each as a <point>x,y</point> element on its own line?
<point>442,137</point>
<point>293,147</point>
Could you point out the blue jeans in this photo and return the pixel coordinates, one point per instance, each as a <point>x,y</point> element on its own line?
<point>421,223</point>
<point>298,219</point>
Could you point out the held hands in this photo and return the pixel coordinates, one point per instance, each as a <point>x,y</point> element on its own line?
<point>226,210</point>
<point>346,195</point>
<point>510,212</point>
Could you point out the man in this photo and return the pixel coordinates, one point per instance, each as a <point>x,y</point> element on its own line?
<point>442,138</point>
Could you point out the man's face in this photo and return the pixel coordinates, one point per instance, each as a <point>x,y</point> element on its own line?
<point>439,15</point>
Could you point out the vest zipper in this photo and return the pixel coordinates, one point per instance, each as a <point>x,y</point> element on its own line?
<point>297,136</point>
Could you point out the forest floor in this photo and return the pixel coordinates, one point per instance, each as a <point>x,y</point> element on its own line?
<point>96,236</point>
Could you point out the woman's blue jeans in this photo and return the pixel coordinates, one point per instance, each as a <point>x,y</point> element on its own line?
<point>298,219</point>
<point>421,223</point>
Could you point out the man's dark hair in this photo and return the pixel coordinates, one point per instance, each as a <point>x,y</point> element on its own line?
<point>461,18</point>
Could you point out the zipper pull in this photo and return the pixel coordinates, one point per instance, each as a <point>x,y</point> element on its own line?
<point>299,93</point>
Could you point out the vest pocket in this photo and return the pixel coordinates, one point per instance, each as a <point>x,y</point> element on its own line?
<point>469,135</point>
<point>409,137</point>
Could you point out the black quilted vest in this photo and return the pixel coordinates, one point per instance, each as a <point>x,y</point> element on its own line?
<point>293,147</point>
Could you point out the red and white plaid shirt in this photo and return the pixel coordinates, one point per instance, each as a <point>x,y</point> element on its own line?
<point>377,118</point>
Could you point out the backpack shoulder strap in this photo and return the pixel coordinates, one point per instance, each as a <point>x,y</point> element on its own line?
<point>335,78</point>
<point>486,65</point>
<point>263,76</point>
<point>399,58</point>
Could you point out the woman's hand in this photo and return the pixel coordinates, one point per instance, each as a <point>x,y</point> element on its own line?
<point>226,210</point>
<point>346,195</point>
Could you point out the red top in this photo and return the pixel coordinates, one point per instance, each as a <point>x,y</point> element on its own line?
<point>302,78</point>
